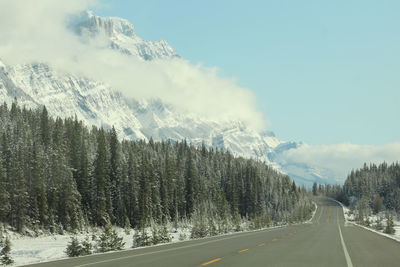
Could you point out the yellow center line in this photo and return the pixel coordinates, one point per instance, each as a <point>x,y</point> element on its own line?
<point>243,250</point>
<point>262,245</point>
<point>211,261</point>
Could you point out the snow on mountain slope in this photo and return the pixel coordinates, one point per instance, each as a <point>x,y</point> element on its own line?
<point>95,103</point>
<point>122,36</point>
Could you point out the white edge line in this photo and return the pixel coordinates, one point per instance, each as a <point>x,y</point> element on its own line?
<point>346,253</point>
<point>320,214</point>
<point>172,249</point>
<point>365,227</point>
<point>233,234</point>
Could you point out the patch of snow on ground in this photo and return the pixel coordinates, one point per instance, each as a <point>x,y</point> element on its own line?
<point>350,219</point>
<point>313,213</point>
<point>29,249</point>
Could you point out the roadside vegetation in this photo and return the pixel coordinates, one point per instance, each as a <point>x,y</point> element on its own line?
<point>372,194</point>
<point>60,176</point>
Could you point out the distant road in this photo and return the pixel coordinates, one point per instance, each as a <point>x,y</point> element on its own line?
<point>325,242</point>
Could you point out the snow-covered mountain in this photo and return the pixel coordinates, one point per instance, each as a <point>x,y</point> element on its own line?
<point>97,104</point>
<point>122,36</point>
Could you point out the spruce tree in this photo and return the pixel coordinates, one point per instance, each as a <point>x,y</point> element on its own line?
<point>44,127</point>
<point>5,257</point>
<point>101,200</point>
<point>74,248</point>
<point>315,189</point>
<point>389,229</point>
<point>4,195</point>
<point>116,179</point>
<point>87,247</point>
<point>109,240</point>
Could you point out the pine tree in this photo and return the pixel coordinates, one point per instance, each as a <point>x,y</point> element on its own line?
<point>145,201</point>
<point>44,127</point>
<point>109,240</point>
<point>389,229</point>
<point>4,195</point>
<point>5,256</point>
<point>190,183</point>
<point>315,189</point>
<point>74,248</point>
<point>38,197</point>
<point>141,239</point>
<point>87,247</point>
<point>19,194</point>
<point>101,198</point>
<point>116,179</point>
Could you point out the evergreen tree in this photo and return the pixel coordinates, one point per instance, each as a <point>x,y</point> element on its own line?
<point>116,179</point>
<point>315,189</point>
<point>389,229</point>
<point>4,195</point>
<point>58,175</point>
<point>101,198</point>
<point>5,257</point>
<point>44,127</point>
<point>74,248</point>
<point>87,247</point>
<point>109,240</point>
<point>38,197</point>
<point>141,239</point>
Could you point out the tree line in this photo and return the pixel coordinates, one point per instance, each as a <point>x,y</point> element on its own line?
<point>376,187</point>
<point>60,175</point>
<point>372,189</point>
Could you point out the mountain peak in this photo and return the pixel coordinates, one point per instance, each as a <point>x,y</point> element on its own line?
<point>122,36</point>
<point>111,26</point>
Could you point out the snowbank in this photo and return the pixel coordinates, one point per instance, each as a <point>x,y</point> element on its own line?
<point>350,219</point>
<point>28,250</point>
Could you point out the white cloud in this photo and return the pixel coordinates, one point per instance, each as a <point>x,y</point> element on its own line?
<point>35,31</point>
<point>342,158</point>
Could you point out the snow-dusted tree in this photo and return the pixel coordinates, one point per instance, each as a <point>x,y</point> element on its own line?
<point>5,257</point>
<point>389,229</point>
<point>4,195</point>
<point>87,247</point>
<point>141,238</point>
<point>109,240</point>
<point>102,196</point>
<point>74,248</point>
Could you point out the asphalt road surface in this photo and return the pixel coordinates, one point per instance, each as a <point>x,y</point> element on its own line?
<point>327,241</point>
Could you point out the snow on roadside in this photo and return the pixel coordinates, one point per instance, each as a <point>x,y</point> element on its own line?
<point>350,219</point>
<point>29,249</point>
<point>313,213</point>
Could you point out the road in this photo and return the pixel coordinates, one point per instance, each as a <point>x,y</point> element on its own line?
<point>327,241</point>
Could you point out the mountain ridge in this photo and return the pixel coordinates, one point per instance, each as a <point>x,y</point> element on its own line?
<point>95,103</point>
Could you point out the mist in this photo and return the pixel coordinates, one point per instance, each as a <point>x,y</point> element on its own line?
<point>35,31</point>
<point>341,159</point>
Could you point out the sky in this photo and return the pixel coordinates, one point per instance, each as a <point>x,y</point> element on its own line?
<point>323,72</point>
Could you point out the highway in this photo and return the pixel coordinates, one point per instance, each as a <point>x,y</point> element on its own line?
<point>327,241</point>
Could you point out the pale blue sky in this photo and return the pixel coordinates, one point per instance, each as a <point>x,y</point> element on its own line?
<point>323,71</point>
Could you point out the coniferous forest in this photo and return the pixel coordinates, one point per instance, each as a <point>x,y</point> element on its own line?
<point>374,188</point>
<point>57,174</point>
